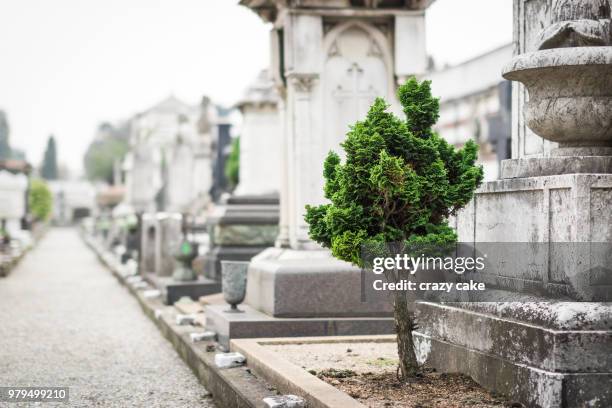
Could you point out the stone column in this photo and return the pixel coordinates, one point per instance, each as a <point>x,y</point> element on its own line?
<point>260,139</point>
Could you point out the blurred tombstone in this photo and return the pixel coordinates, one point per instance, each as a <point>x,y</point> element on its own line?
<point>167,241</point>
<point>13,188</point>
<point>148,242</point>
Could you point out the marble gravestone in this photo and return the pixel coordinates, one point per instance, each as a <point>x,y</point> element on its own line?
<point>554,197</point>
<point>330,60</point>
<point>247,222</point>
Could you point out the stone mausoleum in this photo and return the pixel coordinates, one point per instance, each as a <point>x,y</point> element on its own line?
<point>330,60</point>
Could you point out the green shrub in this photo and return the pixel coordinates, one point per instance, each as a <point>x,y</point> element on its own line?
<point>40,200</point>
<point>400,182</point>
<point>232,165</point>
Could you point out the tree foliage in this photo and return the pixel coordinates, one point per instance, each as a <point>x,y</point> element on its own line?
<point>49,169</point>
<point>40,200</point>
<point>232,165</point>
<point>399,183</point>
<point>109,146</point>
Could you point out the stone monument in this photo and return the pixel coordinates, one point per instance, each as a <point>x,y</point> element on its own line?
<point>169,236</point>
<point>247,222</point>
<point>330,60</point>
<point>550,345</point>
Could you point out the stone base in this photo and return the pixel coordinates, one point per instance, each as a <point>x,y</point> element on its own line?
<point>566,208</point>
<point>255,324</point>
<point>311,283</point>
<point>542,354</point>
<point>173,290</point>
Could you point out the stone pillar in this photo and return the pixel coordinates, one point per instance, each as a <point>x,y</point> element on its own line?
<point>553,201</point>
<point>260,139</point>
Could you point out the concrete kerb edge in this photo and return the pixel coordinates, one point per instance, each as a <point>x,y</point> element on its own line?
<point>221,383</point>
<point>291,379</point>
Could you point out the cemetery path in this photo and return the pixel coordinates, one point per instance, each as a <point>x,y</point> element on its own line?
<point>66,321</point>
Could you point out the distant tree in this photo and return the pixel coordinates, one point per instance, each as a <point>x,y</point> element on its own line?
<point>5,148</point>
<point>49,169</point>
<point>40,200</point>
<point>109,145</point>
<point>399,183</point>
<point>232,165</point>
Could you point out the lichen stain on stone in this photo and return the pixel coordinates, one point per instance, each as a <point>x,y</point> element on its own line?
<point>422,349</point>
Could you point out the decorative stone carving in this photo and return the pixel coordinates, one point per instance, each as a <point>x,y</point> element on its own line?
<point>303,82</point>
<point>569,94</point>
<point>568,79</point>
<point>577,24</point>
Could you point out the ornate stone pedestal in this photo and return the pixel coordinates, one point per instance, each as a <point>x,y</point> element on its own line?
<point>541,351</point>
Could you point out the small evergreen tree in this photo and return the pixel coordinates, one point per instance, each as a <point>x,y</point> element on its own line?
<point>48,170</point>
<point>400,182</point>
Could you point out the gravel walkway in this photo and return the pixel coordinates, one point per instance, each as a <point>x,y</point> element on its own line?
<point>66,321</point>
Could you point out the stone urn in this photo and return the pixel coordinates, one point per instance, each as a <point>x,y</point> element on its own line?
<point>187,252</point>
<point>570,97</point>
<point>569,79</point>
<point>233,283</point>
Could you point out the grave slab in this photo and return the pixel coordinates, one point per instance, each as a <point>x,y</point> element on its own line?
<point>173,290</point>
<point>252,323</point>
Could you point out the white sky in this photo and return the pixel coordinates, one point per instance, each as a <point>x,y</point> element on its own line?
<point>66,65</point>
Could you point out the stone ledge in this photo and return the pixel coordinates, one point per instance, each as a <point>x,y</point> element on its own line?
<point>172,290</point>
<point>533,387</point>
<point>560,351</point>
<point>255,324</point>
<point>549,166</point>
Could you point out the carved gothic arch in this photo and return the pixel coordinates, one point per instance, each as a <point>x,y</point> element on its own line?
<point>379,42</point>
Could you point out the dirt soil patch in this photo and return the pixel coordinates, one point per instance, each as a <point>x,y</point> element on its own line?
<point>367,372</point>
<point>432,390</point>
